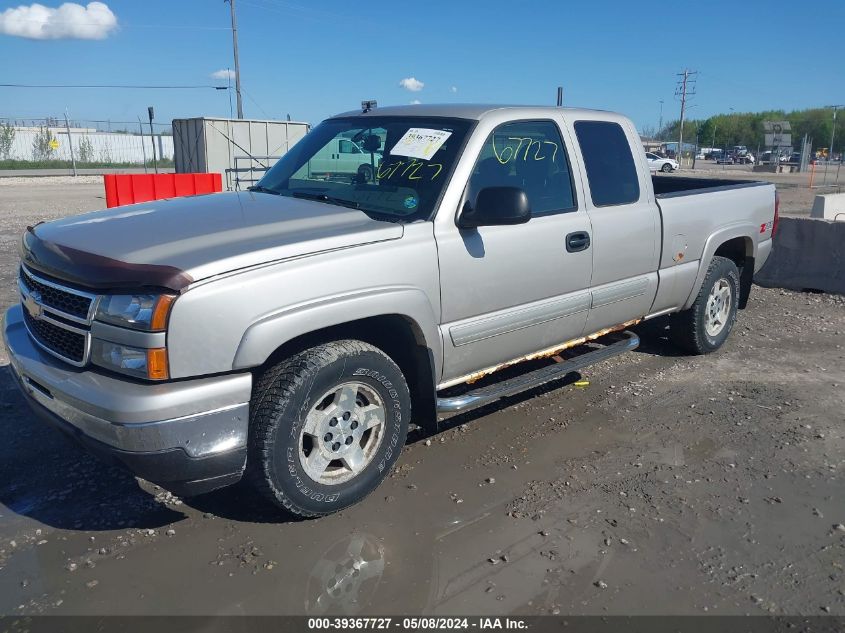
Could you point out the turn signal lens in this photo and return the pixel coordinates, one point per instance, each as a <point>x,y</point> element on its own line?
<point>157,364</point>
<point>150,364</point>
<point>160,312</point>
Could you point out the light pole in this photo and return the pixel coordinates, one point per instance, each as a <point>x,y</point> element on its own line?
<point>832,137</point>
<point>660,125</point>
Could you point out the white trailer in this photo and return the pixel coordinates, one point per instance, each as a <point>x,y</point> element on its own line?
<point>240,149</point>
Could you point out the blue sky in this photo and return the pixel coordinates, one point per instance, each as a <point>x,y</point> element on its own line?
<point>312,59</point>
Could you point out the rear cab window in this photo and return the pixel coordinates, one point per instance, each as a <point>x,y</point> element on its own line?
<point>611,171</point>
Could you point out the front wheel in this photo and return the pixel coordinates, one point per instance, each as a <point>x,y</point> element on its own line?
<point>705,326</point>
<point>666,168</point>
<point>326,426</point>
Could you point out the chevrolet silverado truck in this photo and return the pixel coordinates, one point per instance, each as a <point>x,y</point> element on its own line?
<point>288,335</point>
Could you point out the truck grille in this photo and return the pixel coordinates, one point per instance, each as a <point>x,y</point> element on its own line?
<point>64,343</point>
<point>63,300</point>
<point>57,317</point>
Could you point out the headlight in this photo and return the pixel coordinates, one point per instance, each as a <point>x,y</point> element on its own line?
<point>134,361</point>
<point>139,311</point>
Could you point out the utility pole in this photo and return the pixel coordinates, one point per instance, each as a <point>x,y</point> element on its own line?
<point>70,144</point>
<point>660,125</point>
<point>237,63</point>
<point>684,91</point>
<point>832,137</point>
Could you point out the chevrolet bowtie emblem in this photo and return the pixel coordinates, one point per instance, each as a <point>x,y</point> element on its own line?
<point>32,303</point>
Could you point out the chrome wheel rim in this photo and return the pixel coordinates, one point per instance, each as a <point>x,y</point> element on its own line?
<point>342,433</point>
<point>718,307</point>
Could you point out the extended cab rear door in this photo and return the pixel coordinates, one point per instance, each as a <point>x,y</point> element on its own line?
<point>507,291</point>
<point>625,218</point>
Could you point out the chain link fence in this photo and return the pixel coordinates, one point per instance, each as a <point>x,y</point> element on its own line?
<point>51,142</point>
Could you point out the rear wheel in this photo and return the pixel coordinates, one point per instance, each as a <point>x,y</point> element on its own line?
<point>326,426</point>
<point>365,173</point>
<point>705,326</point>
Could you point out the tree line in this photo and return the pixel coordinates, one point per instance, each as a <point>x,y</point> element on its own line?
<point>746,128</point>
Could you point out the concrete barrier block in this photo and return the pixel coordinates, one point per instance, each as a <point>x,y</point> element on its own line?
<point>829,206</point>
<point>808,254</point>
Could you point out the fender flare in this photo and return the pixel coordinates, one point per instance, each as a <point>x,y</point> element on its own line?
<point>745,230</point>
<point>268,333</point>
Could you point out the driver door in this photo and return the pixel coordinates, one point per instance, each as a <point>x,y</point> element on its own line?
<point>508,291</point>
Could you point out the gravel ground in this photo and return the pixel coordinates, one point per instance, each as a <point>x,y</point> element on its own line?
<point>796,196</point>
<point>666,485</point>
<point>50,181</point>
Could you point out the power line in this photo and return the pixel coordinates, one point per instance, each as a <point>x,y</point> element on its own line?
<point>257,104</point>
<point>128,86</point>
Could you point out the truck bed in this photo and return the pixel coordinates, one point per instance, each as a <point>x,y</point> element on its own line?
<point>699,214</point>
<point>673,186</point>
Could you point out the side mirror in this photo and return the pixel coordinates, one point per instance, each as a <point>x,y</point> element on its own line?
<point>496,206</point>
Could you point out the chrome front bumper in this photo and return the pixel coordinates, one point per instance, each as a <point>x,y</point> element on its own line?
<point>194,422</point>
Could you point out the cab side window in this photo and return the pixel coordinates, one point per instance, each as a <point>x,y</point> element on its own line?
<point>348,147</point>
<point>529,155</point>
<point>610,165</point>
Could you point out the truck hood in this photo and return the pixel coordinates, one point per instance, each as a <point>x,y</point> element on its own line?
<point>171,243</point>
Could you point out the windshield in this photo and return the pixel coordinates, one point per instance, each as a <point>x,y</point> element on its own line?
<point>391,168</point>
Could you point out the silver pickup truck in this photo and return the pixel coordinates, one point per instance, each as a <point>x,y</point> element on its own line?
<point>289,334</point>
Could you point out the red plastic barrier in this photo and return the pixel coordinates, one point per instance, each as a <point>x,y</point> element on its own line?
<point>131,188</point>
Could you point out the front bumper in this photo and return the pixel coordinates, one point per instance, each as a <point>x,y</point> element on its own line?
<point>187,436</point>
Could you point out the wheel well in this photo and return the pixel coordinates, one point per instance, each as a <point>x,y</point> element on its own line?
<point>739,251</point>
<point>398,337</point>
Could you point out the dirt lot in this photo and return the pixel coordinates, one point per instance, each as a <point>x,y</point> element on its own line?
<point>796,196</point>
<point>668,485</point>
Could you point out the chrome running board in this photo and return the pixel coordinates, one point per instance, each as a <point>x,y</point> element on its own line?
<point>511,386</point>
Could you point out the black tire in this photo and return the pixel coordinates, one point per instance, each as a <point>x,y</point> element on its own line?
<point>688,329</point>
<point>666,168</point>
<point>365,173</point>
<point>282,397</point>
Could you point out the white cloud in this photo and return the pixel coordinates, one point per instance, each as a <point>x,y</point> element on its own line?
<point>223,73</point>
<point>415,102</point>
<point>453,89</point>
<point>95,21</point>
<point>412,83</point>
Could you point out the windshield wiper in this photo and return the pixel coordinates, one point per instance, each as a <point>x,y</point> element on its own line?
<point>262,189</point>
<point>322,197</point>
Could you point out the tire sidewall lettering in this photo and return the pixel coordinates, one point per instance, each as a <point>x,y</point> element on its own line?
<point>298,408</point>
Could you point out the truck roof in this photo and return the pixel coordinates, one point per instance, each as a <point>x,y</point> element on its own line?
<point>471,111</point>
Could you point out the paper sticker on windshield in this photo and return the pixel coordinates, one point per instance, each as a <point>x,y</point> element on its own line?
<point>420,142</point>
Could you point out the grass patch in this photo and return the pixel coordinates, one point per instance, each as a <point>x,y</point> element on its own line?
<point>66,164</point>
